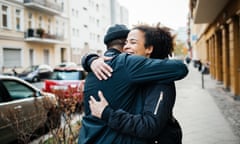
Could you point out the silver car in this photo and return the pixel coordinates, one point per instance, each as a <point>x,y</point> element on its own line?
<point>36,73</point>
<point>24,108</point>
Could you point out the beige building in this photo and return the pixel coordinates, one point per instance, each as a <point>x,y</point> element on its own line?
<point>33,32</point>
<point>216,28</point>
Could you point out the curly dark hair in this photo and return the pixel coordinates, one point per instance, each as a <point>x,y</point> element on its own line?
<point>159,38</point>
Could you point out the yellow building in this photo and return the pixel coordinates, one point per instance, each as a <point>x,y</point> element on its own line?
<point>216,24</point>
<point>33,32</point>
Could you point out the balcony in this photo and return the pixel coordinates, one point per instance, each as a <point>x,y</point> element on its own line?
<point>38,35</point>
<point>44,5</point>
<point>205,11</point>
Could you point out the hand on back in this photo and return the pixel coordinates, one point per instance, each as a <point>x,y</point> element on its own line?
<point>102,70</point>
<point>97,107</point>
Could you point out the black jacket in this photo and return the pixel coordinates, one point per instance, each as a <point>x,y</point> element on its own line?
<point>156,122</point>
<point>120,91</point>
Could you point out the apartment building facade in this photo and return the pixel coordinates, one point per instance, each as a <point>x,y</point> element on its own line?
<point>53,31</point>
<point>216,26</point>
<point>33,32</point>
<point>89,21</point>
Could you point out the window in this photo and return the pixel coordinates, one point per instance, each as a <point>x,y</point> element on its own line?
<point>17,90</point>
<point>97,7</point>
<point>63,33</point>
<point>67,75</point>
<point>40,24</point>
<point>98,38</point>
<point>30,23</point>
<point>77,32</point>
<point>57,25</point>
<point>18,19</point>
<point>49,26</point>
<point>5,18</point>
<point>76,13</point>
<point>62,6</point>
<point>46,56</point>
<point>73,32</point>
<point>97,22</point>
<point>31,56</point>
<point>86,45</point>
<point>11,57</point>
<point>72,12</point>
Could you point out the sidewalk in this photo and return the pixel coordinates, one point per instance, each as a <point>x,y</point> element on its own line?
<point>197,110</point>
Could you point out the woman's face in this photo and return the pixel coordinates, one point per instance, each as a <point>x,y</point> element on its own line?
<point>135,44</point>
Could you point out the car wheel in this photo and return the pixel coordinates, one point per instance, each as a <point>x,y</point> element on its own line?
<point>35,79</point>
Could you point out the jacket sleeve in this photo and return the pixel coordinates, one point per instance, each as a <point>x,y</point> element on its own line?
<point>135,125</point>
<point>152,121</point>
<point>140,69</point>
<point>87,60</point>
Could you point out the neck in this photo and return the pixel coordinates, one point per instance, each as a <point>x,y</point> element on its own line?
<point>117,47</point>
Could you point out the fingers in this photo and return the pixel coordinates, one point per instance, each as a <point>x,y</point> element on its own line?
<point>102,98</point>
<point>101,69</point>
<point>98,75</point>
<point>106,69</point>
<point>100,94</point>
<point>92,99</point>
<point>101,73</point>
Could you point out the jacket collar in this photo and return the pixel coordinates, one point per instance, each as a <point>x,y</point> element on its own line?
<point>112,52</point>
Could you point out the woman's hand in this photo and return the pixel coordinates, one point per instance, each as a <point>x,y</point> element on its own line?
<point>97,107</point>
<point>101,69</point>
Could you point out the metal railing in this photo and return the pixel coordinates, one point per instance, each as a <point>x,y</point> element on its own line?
<point>32,33</point>
<point>46,3</point>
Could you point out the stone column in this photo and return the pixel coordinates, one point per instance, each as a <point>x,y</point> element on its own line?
<point>226,62</point>
<point>218,54</point>
<point>234,54</point>
<point>212,57</point>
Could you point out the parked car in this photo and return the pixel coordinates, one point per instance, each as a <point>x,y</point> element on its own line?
<point>36,73</point>
<point>24,109</point>
<point>70,80</point>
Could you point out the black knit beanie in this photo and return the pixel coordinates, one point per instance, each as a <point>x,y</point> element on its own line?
<point>116,32</point>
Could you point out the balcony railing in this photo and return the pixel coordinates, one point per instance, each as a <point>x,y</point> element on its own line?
<point>44,5</point>
<point>38,35</point>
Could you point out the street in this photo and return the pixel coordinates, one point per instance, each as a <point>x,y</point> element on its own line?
<point>201,119</point>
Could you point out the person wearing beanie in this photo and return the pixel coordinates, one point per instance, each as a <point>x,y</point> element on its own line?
<point>117,31</point>
<point>114,39</point>
<point>129,73</point>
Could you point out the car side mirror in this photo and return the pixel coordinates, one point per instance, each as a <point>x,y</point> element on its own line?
<point>38,94</point>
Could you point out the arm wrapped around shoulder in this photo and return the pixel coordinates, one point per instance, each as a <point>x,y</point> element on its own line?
<point>87,60</point>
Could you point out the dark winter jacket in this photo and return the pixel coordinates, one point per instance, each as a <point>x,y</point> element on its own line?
<point>120,91</point>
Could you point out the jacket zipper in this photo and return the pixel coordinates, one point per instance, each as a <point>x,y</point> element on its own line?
<point>158,103</point>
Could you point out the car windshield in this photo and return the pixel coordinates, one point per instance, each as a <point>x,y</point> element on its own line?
<point>30,69</point>
<point>66,75</point>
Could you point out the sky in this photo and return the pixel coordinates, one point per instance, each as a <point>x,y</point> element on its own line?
<point>171,13</point>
